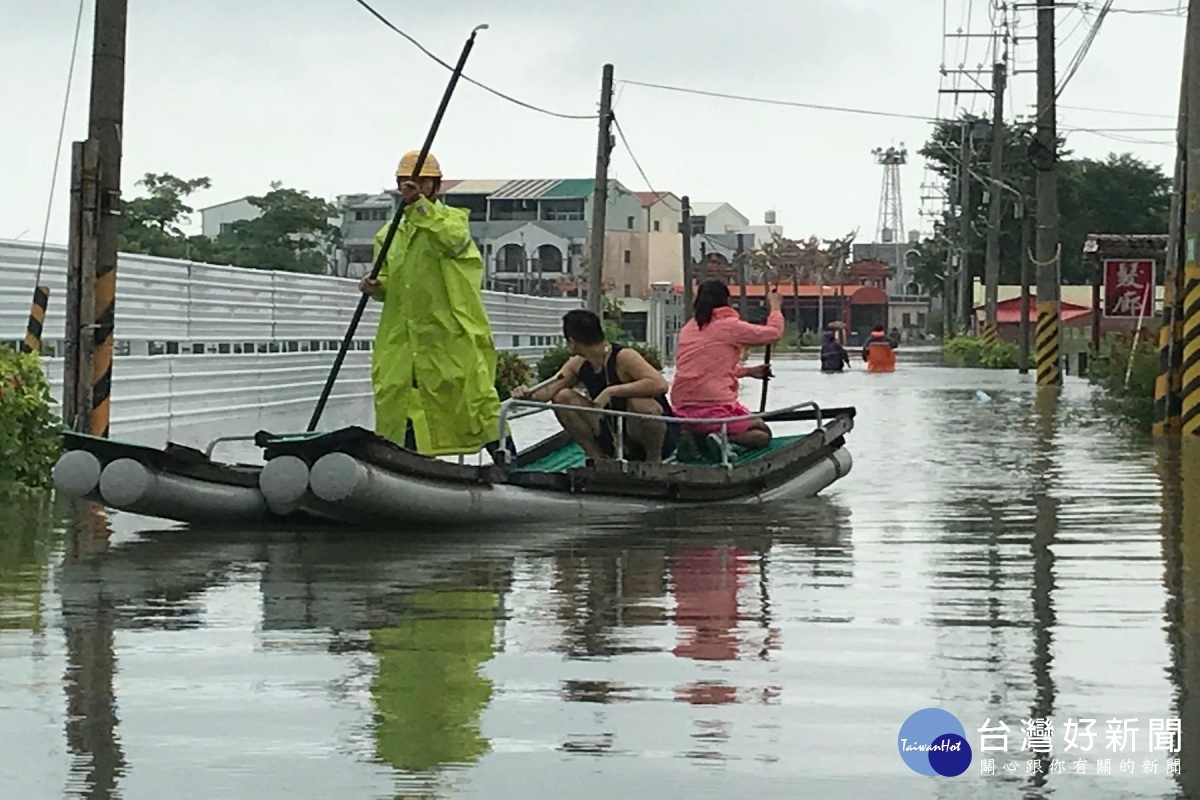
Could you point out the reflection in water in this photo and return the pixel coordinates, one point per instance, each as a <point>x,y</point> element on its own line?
<point>634,658</point>
<point>27,535</point>
<point>1179,468</point>
<point>88,620</point>
<point>1045,531</point>
<point>428,690</point>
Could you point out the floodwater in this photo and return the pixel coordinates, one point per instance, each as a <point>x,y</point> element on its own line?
<point>1004,559</point>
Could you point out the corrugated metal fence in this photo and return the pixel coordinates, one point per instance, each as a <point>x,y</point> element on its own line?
<point>203,348</point>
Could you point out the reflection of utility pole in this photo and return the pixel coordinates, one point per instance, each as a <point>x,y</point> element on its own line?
<point>88,622</point>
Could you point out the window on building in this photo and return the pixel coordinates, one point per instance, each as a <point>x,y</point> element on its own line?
<point>629,223</point>
<point>921,318</point>
<point>226,227</point>
<point>906,319</point>
<point>628,256</point>
<point>562,210</point>
<point>628,290</point>
<point>656,226</point>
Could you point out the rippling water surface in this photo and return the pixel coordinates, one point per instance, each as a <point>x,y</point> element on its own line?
<point>1009,559</point>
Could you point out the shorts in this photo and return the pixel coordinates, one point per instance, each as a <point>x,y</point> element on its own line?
<point>715,412</point>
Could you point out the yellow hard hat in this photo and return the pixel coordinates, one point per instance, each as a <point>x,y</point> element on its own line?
<point>408,163</point>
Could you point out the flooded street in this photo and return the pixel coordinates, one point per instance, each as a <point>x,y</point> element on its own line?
<point>997,556</point>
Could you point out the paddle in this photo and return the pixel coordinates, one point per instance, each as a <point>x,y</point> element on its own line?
<point>807,414</point>
<point>762,403</point>
<point>391,234</point>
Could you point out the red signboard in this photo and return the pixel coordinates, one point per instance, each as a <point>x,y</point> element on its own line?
<point>1128,287</point>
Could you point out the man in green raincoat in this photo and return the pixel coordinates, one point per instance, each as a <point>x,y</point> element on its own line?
<point>434,364</point>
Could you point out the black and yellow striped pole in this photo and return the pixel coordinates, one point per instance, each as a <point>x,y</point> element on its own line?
<point>988,334</point>
<point>106,118</point>
<point>37,320</point>
<point>1190,373</point>
<point>1047,333</point>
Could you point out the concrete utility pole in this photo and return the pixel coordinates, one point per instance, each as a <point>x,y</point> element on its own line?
<point>105,122</point>
<point>991,273</point>
<point>1168,385</point>
<point>1026,244</point>
<point>95,211</point>
<point>685,230</point>
<point>1048,249</point>
<point>962,305</point>
<point>743,302</point>
<point>1190,378</point>
<point>600,196</point>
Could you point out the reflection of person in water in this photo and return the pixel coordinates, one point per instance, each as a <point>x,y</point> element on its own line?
<point>428,690</point>
<point>706,596</point>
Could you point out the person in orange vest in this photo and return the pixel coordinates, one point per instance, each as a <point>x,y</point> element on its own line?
<point>879,352</point>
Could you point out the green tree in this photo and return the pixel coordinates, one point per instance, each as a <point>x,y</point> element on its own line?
<point>1119,194</point>
<point>292,233</point>
<point>150,225</point>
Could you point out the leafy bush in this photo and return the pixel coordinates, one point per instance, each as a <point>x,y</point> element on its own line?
<point>30,434</point>
<point>555,357</point>
<point>551,362</point>
<point>970,351</point>
<point>1133,400</point>
<point>511,371</point>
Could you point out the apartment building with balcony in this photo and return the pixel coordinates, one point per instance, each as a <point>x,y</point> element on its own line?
<point>533,233</point>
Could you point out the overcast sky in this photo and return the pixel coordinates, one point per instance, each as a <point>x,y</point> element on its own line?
<point>321,96</point>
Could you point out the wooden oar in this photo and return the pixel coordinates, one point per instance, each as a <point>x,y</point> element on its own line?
<point>808,414</point>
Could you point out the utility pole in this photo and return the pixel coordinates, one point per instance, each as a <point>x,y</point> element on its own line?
<point>1026,244</point>
<point>604,146</point>
<point>1190,377</point>
<point>1168,385</point>
<point>991,273</point>
<point>743,302</point>
<point>685,230</point>
<point>1045,161</point>
<point>105,121</point>
<point>92,244</point>
<point>962,306</point>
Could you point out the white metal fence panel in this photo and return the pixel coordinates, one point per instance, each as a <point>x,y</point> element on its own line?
<point>205,350</point>
<point>186,303</point>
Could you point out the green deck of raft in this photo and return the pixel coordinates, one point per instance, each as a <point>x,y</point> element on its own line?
<point>572,456</point>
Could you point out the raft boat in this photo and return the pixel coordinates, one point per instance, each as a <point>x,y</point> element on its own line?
<point>354,477</point>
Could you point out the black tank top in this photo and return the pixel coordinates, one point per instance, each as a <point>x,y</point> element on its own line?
<point>597,382</point>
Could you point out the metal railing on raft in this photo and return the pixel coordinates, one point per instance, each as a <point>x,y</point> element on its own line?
<point>538,407</point>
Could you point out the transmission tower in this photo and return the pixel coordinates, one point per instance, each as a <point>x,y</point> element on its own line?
<point>891,213</point>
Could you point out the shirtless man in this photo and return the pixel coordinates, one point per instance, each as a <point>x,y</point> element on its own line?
<point>616,377</point>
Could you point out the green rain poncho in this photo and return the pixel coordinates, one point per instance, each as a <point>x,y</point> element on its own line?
<point>434,330</point>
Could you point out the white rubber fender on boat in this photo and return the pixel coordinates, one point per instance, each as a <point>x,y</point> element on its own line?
<point>336,477</point>
<point>129,485</point>
<point>814,480</point>
<point>76,474</point>
<point>283,483</point>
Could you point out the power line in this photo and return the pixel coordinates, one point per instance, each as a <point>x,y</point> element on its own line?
<point>1073,67</point>
<point>1118,112</point>
<point>621,134</point>
<point>468,79</point>
<point>775,102</point>
<point>62,128</point>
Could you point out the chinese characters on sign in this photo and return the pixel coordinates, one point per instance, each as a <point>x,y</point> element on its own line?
<point>1042,751</point>
<point>1128,288</point>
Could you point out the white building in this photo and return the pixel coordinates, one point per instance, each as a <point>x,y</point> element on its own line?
<point>217,219</point>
